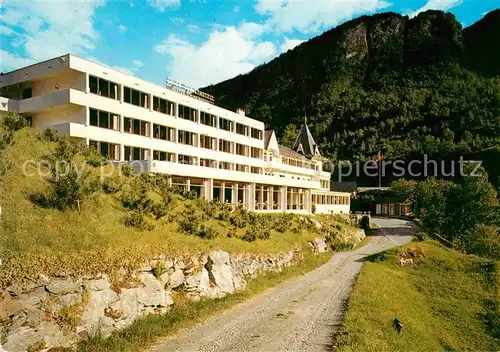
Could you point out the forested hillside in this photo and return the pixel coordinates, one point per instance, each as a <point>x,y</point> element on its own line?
<point>406,86</point>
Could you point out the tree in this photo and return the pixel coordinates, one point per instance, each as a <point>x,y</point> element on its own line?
<point>289,135</point>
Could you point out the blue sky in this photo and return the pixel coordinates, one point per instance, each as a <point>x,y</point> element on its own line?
<point>196,42</point>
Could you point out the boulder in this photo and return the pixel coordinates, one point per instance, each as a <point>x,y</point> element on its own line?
<point>152,292</point>
<point>60,286</point>
<point>94,312</point>
<point>46,333</point>
<point>176,279</point>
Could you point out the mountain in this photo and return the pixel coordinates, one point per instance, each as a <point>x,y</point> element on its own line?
<point>406,86</point>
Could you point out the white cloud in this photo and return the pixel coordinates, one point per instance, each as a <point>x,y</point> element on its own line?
<point>252,29</point>
<point>227,52</point>
<point>129,71</point>
<point>290,15</point>
<point>161,5</point>
<point>10,61</point>
<point>138,63</point>
<point>236,9</point>
<point>122,28</point>
<point>443,5</point>
<point>45,29</point>
<point>193,28</point>
<point>289,44</point>
<point>4,30</point>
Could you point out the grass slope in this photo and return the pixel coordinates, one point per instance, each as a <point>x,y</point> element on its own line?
<point>447,302</point>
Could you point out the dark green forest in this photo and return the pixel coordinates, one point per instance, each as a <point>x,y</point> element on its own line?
<point>385,82</point>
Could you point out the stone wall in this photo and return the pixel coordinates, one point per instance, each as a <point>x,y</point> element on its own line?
<point>61,311</point>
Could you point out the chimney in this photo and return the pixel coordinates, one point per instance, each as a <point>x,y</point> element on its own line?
<point>240,111</point>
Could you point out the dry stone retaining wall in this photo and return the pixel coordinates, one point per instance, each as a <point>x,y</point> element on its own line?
<point>61,311</point>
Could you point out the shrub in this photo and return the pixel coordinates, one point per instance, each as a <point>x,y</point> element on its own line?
<point>69,189</point>
<point>365,223</point>
<point>207,232</point>
<point>158,210</point>
<point>138,220</point>
<point>190,224</point>
<point>257,232</point>
<point>50,135</point>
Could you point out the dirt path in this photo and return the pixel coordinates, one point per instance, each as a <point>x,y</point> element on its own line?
<point>298,315</point>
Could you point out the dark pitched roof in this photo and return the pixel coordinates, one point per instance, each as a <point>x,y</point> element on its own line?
<point>305,143</point>
<point>289,153</point>
<point>267,138</point>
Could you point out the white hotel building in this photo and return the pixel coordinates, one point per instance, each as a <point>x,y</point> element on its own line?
<point>218,153</point>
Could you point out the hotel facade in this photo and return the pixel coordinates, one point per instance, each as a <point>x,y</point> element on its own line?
<point>175,131</point>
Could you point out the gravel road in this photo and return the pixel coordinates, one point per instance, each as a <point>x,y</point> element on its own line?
<point>298,315</point>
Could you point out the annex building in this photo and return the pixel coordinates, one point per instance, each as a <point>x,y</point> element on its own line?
<point>175,131</point>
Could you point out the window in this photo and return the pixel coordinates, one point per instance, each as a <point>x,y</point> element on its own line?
<point>256,170</point>
<point>164,132</point>
<point>208,142</point>
<point>256,133</point>
<point>103,87</point>
<point>164,106</point>
<point>135,126</point>
<point>163,156</point>
<point>225,146</point>
<point>208,119</point>
<point>110,151</point>
<point>225,124</point>
<point>104,119</point>
<point>135,153</point>
<point>241,129</point>
<point>241,168</point>
<point>187,113</point>
<point>135,97</point>
<point>256,153</point>
<point>187,159</point>
<point>208,163</point>
<point>225,165</point>
<point>241,149</point>
<point>188,138</point>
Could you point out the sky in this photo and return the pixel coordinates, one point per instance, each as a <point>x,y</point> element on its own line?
<point>196,42</point>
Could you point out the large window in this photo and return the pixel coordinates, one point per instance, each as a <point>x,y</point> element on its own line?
<point>187,159</point>
<point>164,106</point>
<point>225,146</point>
<point>135,126</point>
<point>208,119</point>
<point>135,97</point>
<point>108,150</point>
<point>225,124</point>
<point>163,156</point>
<point>164,132</point>
<point>241,129</point>
<point>187,113</point>
<point>188,138</point>
<point>135,153</point>
<point>225,165</point>
<point>208,142</point>
<point>103,87</point>
<point>241,149</point>
<point>256,170</point>
<point>256,133</point>
<point>256,153</point>
<point>241,168</point>
<point>208,163</point>
<point>104,119</point>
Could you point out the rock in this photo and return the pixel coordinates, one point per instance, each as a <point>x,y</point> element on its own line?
<point>152,293</point>
<point>164,277</point>
<point>176,279</point>
<point>34,298</point>
<point>25,337</point>
<point>9,307</point>
<point>239,283</point>
<point>320,245</point>
<point>43,280</point>
<point>94,312</point>
<point>69,299</point>
<point>60,286</point>
<point>98,285</point>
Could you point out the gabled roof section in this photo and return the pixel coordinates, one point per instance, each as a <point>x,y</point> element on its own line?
<point>290,153</point>
<point>305,143</point>
<point>267,137</point>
